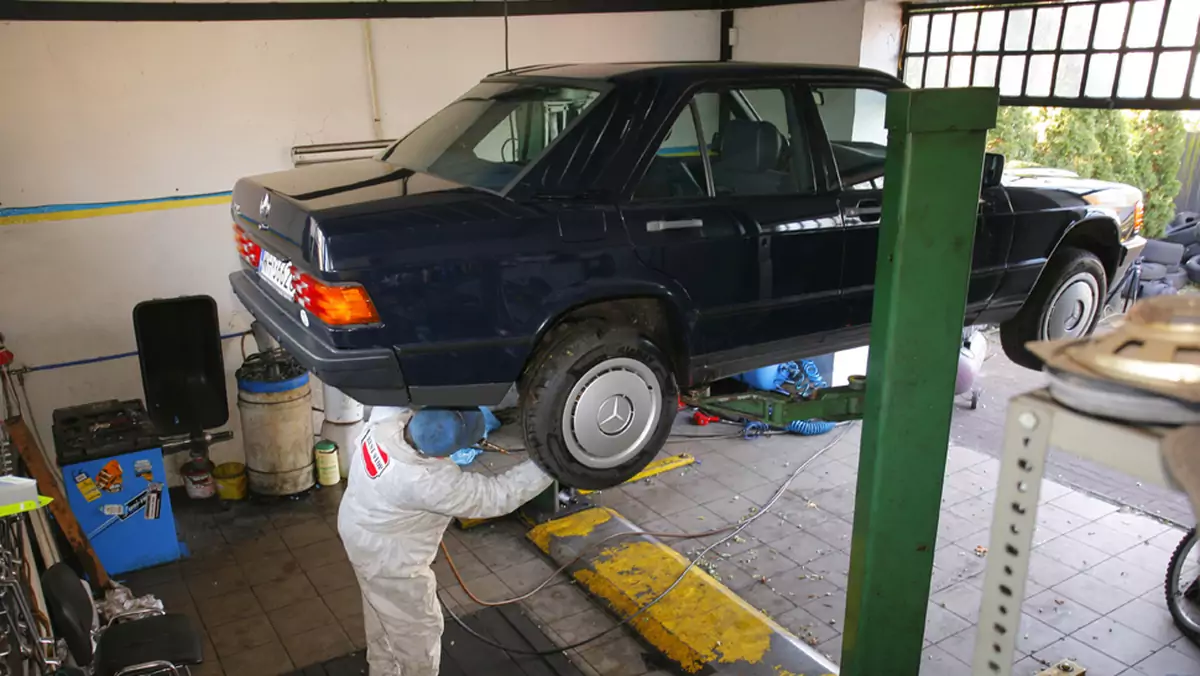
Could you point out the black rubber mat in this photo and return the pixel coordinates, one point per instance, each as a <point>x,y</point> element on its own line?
<point>465,655</point>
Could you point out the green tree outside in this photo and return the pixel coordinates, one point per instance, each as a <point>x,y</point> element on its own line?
<point>1142,149</point>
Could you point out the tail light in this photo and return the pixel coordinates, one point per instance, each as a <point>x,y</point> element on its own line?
<point>336,305</point>
<point>1139,216</point>
<point>247,249</point>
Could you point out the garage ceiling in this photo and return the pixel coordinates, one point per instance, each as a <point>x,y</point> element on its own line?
<point>255,10</point>
<point>1138,54</point>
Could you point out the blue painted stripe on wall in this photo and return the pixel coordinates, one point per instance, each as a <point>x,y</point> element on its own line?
<point>61,208</point>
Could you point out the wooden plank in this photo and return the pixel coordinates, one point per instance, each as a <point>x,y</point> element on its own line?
<point>31,453</point>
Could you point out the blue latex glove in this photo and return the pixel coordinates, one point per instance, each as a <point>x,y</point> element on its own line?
<point>465,456</point>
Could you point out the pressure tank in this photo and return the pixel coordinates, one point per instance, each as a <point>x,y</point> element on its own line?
<point>275,403</point>
<point>342,425</point>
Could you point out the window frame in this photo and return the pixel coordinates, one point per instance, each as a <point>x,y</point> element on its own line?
<point>795,86</point>
<point>603,88</point>
<point>833,177</point>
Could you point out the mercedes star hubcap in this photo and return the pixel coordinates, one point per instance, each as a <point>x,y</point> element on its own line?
<point>611,413</point>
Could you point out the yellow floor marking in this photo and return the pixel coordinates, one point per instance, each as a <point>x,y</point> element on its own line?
<point>698,623</point>
<point>657,467</point>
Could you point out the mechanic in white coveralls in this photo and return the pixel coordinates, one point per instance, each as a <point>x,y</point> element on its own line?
<point>403,490</point>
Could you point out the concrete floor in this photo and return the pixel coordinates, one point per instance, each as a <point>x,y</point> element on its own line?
<point>273,591</point>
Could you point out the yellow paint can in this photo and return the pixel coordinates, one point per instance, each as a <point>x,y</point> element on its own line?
<point>327,463</point>
<point>231,480</point>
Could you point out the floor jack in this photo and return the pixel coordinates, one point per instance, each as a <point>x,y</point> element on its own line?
<point>780,409</point>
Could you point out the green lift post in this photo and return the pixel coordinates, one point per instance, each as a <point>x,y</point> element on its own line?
<point>936,140</point>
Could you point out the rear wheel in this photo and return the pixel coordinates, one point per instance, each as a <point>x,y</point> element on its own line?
<point>1065,304</point>
<point>1183,586</point>
<point>597,404</point>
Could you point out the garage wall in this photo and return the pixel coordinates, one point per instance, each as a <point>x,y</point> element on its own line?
<point>115,112</point>
<point>828,33</point>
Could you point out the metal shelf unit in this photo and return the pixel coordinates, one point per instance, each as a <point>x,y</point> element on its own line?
<point>1036,423</point>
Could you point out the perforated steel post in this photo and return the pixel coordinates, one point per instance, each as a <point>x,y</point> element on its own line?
<point>931,197</point>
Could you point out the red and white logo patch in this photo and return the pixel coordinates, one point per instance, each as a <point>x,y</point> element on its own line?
<point>375,459</point>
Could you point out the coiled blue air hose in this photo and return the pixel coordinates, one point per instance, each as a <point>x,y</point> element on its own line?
<point>810,428</point>
<point>806,376</point>
<point>754,429</point>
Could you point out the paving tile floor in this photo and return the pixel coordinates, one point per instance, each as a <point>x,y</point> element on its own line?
<point>273,590</point>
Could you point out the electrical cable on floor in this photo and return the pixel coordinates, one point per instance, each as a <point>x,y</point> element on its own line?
<point>738,528</point>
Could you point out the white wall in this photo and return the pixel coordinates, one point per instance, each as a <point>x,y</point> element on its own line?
<point>99,112</point>
<point>827,33</point>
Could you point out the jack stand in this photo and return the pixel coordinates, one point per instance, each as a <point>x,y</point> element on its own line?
<point>553,503</point>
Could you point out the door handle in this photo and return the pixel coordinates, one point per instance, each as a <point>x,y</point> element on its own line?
<point>867,210</point>
<point>681,224</point>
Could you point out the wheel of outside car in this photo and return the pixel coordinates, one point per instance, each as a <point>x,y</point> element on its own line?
<point>597,403</point>
<point>1193,269</point>
<point>1065,303</point>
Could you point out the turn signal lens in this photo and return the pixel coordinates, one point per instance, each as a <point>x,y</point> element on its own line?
<point>247,249</point>
<point>1139,216</point>
<point>335,305</point>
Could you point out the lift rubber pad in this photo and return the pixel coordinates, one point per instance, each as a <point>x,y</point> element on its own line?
<point>701,625</point>
<point>464,655</point>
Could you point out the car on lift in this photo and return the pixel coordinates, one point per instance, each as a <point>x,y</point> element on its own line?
<point>594,238</point>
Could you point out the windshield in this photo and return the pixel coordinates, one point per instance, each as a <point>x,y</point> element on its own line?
<point>488,136</point>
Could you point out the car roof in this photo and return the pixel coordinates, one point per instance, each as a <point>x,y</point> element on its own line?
<point>685,70</point>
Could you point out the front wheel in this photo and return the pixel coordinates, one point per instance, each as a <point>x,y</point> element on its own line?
<point>597,403</point>
<point>1065,303</point>
<point>1183,586</point>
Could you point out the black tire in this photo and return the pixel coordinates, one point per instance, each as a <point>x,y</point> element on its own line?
<point>1193,269</point>
<point>1177,277</point>
<point>1067,267</point>
<point>572,361</point>
<point>1167,253</point>
<point>1183,622</point>
<point>1153,272</point>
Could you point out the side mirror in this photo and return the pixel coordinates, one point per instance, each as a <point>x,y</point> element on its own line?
<point>993,169</point>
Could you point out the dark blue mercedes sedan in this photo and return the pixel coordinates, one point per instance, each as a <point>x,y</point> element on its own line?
<point>595,237</point>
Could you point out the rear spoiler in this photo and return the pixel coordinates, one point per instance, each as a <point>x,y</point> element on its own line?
<point>337,152</point>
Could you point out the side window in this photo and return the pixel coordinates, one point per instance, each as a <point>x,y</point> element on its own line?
<point>760,145</point>
<point>677,169</point>
<point>751,137</point>
<point>853,119</point>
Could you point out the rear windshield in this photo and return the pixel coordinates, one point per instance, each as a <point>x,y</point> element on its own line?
<point>488,136</point>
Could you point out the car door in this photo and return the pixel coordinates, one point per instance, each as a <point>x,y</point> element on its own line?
<point>797,224</point>
<point>853,121</point>
<point>680,230</point>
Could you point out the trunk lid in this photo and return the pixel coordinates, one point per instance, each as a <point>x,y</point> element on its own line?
<point>283,210</point>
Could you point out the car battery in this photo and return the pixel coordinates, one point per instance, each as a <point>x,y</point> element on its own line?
<point>115,481</point>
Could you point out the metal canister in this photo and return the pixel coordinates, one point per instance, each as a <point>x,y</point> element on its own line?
<point>198,479</point>
<point>275,402</point>
<point>327,463</point>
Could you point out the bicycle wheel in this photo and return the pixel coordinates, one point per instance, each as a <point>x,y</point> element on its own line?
<point>1183,586</point>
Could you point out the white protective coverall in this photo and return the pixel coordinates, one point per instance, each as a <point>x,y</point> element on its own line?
<point>396,508</point>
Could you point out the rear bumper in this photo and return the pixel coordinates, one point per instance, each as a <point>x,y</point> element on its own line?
<point>371,376</point>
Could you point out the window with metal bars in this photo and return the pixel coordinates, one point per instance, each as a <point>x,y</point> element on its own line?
<point>1138,54</point>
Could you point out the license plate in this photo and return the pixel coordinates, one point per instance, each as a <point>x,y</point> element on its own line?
<point>277,272</point>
